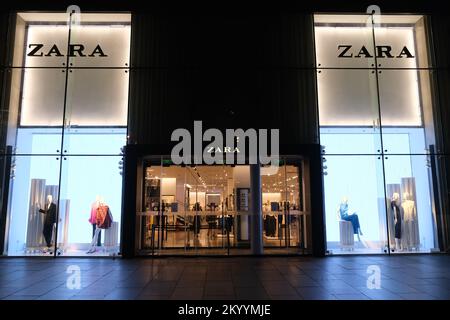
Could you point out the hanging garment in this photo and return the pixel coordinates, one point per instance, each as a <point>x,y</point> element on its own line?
<point>225,223</point>
<point>274,206</point>
<point>229,223</point>
<point>212,221</point>
<point>197,224</point>
<point>104,217</point>
<point>280,225</point>
<point>270,226</point>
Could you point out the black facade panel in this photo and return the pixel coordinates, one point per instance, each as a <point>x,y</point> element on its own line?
<point>288,99</point>
<point>443,108</point>
<point>288,41</point>
<point>211,41</point>
<point>4,49</point>
<point>440,26</point>
<point>445,162</point>
<point>440,29</point>
<point>229,72</point>
<point>149,37</point>
<point>4,24</point>
<point>402,6</point>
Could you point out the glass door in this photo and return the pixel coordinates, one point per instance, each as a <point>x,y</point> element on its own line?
<point>208,205</point>
<point>186,210</point>
<point>283,204</point>
<point>296,215</point>
<point>148,211</point>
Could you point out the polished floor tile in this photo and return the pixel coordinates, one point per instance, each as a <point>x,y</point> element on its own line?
<point>251,293</point>
<point>19,297</point>
<point>219,288</point>
<point>186,293</point>
<point>279,288</point>
<point>416,296</point>
<point>313,293</point>
<point>421,277</point>
<point>123,294</point>
<point>219,297</point>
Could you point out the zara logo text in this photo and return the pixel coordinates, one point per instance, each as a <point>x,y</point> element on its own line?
<point>348,51</point>
<point>40,50</point>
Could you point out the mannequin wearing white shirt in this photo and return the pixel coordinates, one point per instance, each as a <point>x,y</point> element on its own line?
<point>411,238</point>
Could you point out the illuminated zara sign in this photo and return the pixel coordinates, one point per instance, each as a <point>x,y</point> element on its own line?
<point>75,50</point>
<point>350,51</point>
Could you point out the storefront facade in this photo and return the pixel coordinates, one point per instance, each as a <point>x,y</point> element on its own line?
<point>90,101</point>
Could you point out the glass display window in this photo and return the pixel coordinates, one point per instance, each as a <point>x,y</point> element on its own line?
<point>385,130</point>
<point>355,210</point>
<point>68,107</point>
<point>32,219</point>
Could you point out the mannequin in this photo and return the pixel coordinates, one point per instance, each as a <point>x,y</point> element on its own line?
<point>50,220</point>
<point>352,217</point>
<point>411,237</point>
<point>103,220</point>
<point>93,217</point>
<point>212,219</point>
<point>397,215</point>
<point>197,219</point>
<point>409,206</point>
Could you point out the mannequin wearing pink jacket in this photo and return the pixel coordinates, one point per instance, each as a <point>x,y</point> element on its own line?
<point>96,232</point>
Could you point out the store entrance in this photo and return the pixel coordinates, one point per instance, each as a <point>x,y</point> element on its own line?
<point>205,209</point>
<point>285,216</point>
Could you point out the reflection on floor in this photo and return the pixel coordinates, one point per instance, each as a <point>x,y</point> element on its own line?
<point>214,242</point>
<point>100,252</point>
<point>244,278</point>
<point>75,251</point>
<point>205,238</point>
<point>222,252</point>
<point>365,247</point>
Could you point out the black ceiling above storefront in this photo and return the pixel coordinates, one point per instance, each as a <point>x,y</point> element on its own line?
<point>230,7</point>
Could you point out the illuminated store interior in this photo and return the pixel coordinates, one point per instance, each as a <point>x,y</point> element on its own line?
<point>205,209</point>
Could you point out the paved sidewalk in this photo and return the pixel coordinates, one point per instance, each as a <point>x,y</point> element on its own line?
<point>402,277</point>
